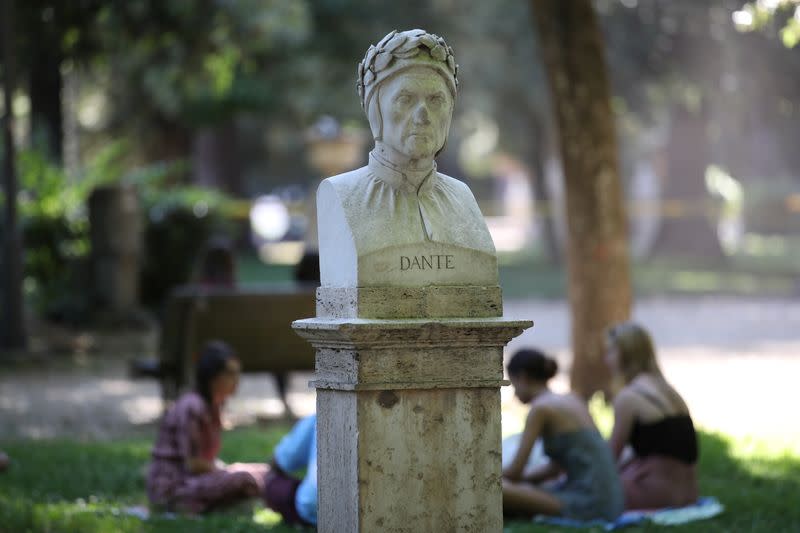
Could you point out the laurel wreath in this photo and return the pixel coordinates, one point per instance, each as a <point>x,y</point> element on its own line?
<point>405,45</point>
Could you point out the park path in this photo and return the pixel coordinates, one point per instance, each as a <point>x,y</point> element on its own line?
<point>736,361</point>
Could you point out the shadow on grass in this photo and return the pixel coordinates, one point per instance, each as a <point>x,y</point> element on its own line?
<point>67,486</point>
<point>757,485</point>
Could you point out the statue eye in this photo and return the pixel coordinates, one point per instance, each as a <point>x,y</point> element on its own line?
<point>437,99</point>
<point>403,99</point>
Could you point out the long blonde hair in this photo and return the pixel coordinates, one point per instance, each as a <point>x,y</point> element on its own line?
<point>635,348</point>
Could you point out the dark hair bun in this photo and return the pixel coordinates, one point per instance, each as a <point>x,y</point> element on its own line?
<point>532,363</point>
<point>550,367</point>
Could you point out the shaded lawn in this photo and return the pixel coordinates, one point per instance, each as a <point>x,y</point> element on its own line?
<point>67,486</point>
<point>525,277</point>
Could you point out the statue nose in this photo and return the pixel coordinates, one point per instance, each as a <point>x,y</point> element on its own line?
<point>421,115</point>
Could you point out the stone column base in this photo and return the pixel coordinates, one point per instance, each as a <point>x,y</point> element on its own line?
<point>409,434</point>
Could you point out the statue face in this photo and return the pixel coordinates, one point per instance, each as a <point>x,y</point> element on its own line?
<point>416,107</point>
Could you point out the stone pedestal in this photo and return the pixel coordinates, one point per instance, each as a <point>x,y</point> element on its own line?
<point>409,433</point>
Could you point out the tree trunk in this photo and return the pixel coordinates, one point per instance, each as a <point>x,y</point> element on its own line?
<point>12,317</point>
<point>688,229</point>
<point>597,248</point>
<point>168,141</point>
<point>544,203</point>
<point>215,161</point>
<point>45,84</point>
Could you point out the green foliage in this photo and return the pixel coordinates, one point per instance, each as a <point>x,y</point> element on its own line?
<point>762,14</point>
<point>179,224</point>
<point>197,62</point>
<point>55,226</point>
<point>179,220</point>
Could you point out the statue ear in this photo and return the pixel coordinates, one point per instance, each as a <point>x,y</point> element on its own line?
<point>374,116</point>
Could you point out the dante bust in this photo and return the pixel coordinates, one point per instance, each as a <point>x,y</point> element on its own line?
<point>398,221</point>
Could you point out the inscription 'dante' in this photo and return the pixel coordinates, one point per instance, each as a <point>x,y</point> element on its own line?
<point>427,262</point>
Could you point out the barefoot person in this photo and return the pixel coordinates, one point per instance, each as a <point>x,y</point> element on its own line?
<point>185,473</point>
<point>589,486</point>
<point>651,417</point>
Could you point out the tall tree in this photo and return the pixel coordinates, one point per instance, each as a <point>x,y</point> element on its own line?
<point>12,323</point>
<point>51,32</point>
<point>597,250</point>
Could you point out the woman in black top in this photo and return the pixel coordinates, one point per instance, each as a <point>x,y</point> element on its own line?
<point>651,417</point>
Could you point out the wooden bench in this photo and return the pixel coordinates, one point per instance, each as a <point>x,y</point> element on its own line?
<point>255,321</point>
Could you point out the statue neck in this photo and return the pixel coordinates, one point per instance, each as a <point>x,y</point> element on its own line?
<point>415,170</point>
<point>412,181</point>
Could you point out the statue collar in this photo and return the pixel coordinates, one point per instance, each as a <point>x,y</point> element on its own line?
<point>404,179</point>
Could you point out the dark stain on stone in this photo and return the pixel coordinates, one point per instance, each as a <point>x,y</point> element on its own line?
<point>418,409</point>
<point>387,399</point>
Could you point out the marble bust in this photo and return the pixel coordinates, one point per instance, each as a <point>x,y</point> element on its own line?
<point>398,221</point>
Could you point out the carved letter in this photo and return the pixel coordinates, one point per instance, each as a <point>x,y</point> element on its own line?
<point>426,259</point>
<point>405,263</point>
<point>415,263</point>
<point>449,263</point>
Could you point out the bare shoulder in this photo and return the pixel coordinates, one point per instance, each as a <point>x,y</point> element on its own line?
<point>555,405</point>
<point>626,399</point>
<point>541,407</point>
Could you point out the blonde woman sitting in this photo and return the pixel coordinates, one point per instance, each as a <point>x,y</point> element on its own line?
<point>651,417</point>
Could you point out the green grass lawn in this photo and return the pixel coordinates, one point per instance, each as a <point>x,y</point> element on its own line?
<point>68,486</point>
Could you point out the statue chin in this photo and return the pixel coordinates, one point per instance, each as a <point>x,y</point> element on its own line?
<point>419,148</point>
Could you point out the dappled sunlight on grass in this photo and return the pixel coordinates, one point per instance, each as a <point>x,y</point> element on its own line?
<point>266,517</point>
<point>63,485</point>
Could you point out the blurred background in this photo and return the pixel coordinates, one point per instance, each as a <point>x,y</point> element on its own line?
<point>139,131</point>
<point>224,115</point>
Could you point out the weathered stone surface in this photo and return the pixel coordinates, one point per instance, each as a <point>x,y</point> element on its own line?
<point>410,302</point>
<point>409,407</point>
<point>361,354</point>
<point>421,461</point>
<point>360,333</point>
<point>337,461</point>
